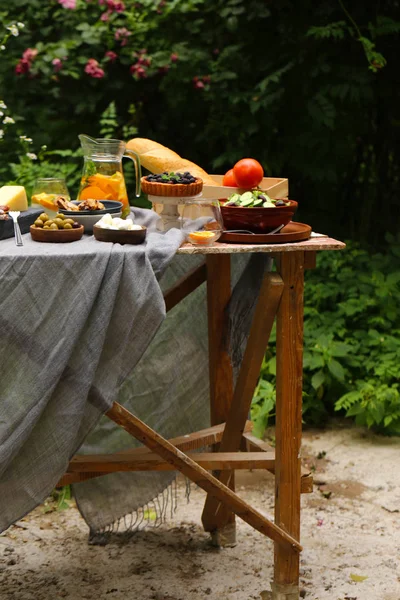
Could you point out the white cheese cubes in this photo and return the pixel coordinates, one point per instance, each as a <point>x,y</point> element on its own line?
<point>107,222</point>
<point>13,196</point>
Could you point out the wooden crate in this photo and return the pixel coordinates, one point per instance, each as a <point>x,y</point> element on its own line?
<point>275,187</point>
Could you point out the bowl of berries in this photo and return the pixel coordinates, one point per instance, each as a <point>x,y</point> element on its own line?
<point>256,212</point>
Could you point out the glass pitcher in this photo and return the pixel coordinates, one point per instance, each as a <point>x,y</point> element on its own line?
<point>102,177</point>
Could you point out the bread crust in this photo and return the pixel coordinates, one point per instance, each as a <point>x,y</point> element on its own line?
<point>158,158</point>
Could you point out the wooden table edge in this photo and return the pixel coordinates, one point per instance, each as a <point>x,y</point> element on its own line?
<point>312,245</point>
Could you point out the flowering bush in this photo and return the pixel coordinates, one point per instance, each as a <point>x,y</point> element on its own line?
<point>306,93</point>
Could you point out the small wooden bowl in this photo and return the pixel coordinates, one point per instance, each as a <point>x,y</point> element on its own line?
<point>258,220</point>
<point>116,236</point>
<point>54,236</point>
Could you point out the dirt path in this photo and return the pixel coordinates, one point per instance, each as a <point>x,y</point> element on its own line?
<point>350,530</point>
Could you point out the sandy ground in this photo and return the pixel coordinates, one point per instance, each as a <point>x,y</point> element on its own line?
<point>350,530</point>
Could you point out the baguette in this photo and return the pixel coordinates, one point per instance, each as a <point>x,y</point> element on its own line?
<point>158,158</point>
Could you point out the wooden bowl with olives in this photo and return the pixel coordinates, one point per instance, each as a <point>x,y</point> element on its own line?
<point>59,229</point>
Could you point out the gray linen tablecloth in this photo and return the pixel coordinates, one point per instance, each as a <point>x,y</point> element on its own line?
<point>78,326</point>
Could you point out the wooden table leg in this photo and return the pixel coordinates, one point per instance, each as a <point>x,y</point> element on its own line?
<point>289,349</point>
<point>220,367</point>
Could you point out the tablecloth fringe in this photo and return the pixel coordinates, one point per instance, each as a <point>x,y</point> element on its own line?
<point>149,516</point>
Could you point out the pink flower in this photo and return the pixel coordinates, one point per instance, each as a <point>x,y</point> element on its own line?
<point>121,35</point>
<point>198,85</point>
<point>138,70</point>
<point>29,54</point>
<point>67,3</point>
<point>174,58</point>
<point>112,56</point>
<point>22,67</point>
<point>57,64</point>
<point>115,6</point>
<point>105,16</point>
<point>25,63</point>
<point>144,61</point>
<point>93,69</point>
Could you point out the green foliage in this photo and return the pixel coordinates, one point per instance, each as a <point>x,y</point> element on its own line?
<point>311,90</point>
<point>305,89</point>
<point>352,341</point>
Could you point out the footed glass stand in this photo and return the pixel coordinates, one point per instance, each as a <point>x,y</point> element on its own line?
<point>170,210</point>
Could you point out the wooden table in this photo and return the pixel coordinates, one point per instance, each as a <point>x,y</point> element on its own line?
<point>281,296</point>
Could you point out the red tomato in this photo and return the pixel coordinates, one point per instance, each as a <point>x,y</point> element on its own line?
<point>229,179</point>
<point>248,173</point>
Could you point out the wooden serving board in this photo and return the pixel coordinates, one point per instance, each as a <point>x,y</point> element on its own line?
<point>276,187</point>
<point>292,232</point>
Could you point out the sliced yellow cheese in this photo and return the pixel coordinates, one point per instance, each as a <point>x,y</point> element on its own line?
<point>14,196</point>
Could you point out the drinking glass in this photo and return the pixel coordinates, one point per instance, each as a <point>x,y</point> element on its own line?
<point>46,190</point>
<point>202,221</point>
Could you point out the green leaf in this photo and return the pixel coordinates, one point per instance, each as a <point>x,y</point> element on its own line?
<point>336,369</point>
<point>318,379</point>
<point>358,578</point>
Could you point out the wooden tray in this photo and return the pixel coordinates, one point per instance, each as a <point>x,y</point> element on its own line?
<point>276,187</point>
<point>292,232</point>
<point>55,236</point>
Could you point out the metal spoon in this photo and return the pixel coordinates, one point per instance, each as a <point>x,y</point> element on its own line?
<point>252,232</point>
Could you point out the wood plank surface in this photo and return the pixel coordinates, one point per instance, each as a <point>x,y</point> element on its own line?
<point>289,372</point>
<point>185,286</point>
<point>220,366</point>
<point>253,444</point>
<point>192,441</point>
<point>313,244</point>
<point>111,463</point>
<point>214,515</point>
<point>200,476</point>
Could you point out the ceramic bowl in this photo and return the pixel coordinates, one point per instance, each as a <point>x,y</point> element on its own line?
<point>257,220</point>
<point>120,236</point>
<point>39,234</point>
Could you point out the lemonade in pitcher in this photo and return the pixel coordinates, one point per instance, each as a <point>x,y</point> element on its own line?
<point>102,177</point>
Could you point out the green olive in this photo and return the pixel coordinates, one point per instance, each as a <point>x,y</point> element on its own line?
<point>67,226</point>
<point>43,217</point>
<point>60,216</point>
<point>38,223</point>
<point>58,222</point>
<point>46,227</point>
<point>53,226</point>
<point>71,221</point>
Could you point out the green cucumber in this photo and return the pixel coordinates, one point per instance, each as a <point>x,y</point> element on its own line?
<point>247,196</point>
<point>258,202</point>
<point>246,203</point>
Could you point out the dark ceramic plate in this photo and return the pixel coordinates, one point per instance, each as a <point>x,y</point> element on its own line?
<point>110,206</point>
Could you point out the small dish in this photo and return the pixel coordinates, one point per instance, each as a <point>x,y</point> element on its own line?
<point>88,219</point>
<point>257,220</point>
<point>120,236</point>
<point>39,234</point>
<point>110,206</point>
